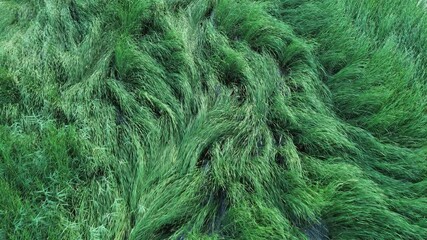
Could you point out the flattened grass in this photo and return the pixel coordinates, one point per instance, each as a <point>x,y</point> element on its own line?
<point>213,119</point>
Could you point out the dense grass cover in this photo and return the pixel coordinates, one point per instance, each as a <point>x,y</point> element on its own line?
<point>213,119</point>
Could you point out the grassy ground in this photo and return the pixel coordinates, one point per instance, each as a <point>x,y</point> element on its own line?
<point>213,119</point>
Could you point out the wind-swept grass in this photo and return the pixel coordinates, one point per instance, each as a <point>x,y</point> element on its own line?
<point>213,119</point>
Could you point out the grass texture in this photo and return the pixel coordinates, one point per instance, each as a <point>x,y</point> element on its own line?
<point>213,119</point>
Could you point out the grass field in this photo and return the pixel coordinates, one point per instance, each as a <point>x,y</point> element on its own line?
<point>213,119</point>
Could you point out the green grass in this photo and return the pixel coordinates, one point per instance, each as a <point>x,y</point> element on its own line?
<point>213,119</point>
